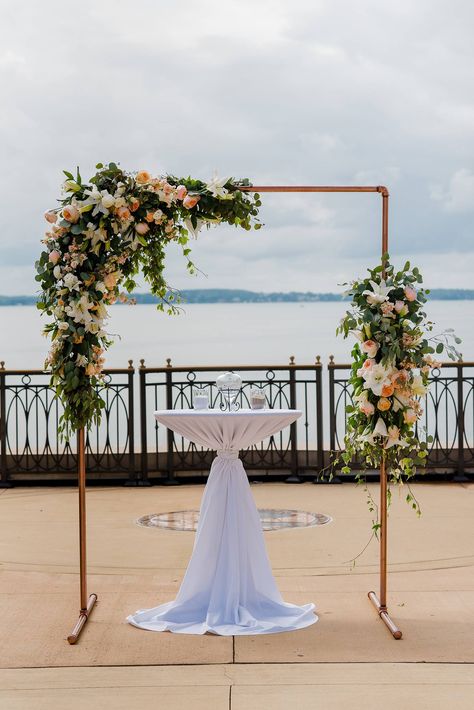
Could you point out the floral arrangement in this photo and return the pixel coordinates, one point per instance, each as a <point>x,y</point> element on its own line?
<point>102,234</point>
<point>392,359</point>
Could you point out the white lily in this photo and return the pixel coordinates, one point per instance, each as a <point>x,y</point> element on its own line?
<point>102,199</point>
<point>394,437</point>
<point>358,335</point>
<point>400,401</point>
<point>376,377</point>
<point>216,186</point>
<point>194,231</point>
<point>79,311</point>
<point>379,294</point>
<point>380,430</point>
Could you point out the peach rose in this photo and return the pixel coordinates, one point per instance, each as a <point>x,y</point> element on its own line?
<point>50,216</point>
<point>134,204</point>
<point>367,408</point>
<point>110,280</point>
<point>399,306</point>
<point>370,347</point>
<point>71,214</point>
<point>410,416</point>
<point>387,390</point>
<point>410,293</point>
<point>143,177</point>
<point>54,256</point>
<point>142,228</point>
<point>181,192</point>
<point>123,213</point>
<point>90,369</point>
<point>149,216</point>
<point>383,404</point>
<point>190,201</point>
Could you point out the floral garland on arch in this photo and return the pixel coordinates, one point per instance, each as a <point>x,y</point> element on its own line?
<point>392,359</point>
<point>103,234</point>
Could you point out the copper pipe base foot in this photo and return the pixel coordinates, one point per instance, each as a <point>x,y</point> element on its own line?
<point>384,615</point>
<point>83,616</point>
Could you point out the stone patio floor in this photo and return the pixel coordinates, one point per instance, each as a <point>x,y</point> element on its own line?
<point>347,660</point>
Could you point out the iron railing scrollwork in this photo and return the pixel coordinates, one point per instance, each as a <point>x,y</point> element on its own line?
<point>30,447</point>
<point>31,450</point>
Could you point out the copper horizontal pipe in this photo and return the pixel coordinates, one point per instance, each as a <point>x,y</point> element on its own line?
<point>314,188</point>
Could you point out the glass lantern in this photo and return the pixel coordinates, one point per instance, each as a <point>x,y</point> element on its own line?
<point>229,385</point>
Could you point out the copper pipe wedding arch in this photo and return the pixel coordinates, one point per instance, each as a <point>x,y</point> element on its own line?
<point>380,601</point>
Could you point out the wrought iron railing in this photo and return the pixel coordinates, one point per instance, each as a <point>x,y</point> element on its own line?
<point>31,450</point>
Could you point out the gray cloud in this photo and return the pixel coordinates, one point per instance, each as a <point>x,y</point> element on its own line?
<point>314,92</point>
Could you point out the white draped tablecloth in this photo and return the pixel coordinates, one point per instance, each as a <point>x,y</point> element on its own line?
<point>228,588</point>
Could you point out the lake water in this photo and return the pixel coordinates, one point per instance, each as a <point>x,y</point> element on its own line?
<point>217,334</point>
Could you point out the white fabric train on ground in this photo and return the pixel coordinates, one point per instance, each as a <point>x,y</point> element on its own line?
<point>228,588</point>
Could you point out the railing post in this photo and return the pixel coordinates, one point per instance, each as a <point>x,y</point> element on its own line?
<point>319,418</point>
<point>171,479</point>
<point>332,416</point>
<point>460,476</point>
<point>135,478</point>
<point>4,482</point>
<point>143,422</point>
<point>294,477</point>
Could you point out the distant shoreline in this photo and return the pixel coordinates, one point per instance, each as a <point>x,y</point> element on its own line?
<point>213,295</point>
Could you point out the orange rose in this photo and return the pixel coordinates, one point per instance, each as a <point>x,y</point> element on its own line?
<point>134,204</point>
<point>190,201</point>
<point>143,177</point>
<point>149,216</point>
<point>387,390</point>
<point>123,213</point>
<point>383,404</point>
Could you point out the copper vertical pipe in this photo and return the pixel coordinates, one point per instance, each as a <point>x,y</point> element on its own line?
<point>87,604</point>
<point>383,535</point>
<point>381,603</point>
<point>81,466</point>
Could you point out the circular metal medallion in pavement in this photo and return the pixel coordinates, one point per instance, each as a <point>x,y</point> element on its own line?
<point>271,519</point>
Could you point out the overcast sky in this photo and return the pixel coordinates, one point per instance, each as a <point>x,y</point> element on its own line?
<point>280,91</point>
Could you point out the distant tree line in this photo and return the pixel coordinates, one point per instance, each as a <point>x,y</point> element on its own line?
<point>227,295</point>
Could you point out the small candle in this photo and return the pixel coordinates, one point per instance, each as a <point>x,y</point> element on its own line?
<point>200,399</point>
<point>257,399</point>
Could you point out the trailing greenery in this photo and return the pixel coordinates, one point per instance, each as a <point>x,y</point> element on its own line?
<point>392,358</point>
<point>104,232</point>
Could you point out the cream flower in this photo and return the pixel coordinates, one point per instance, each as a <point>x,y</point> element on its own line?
<point>417,386</point>
<point>71,282</point>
